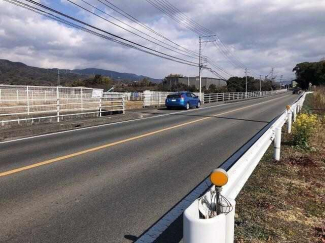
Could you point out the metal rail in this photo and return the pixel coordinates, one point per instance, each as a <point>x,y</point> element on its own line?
<point>239,168</point>
<point>222,97</point>
<point>155,98</point>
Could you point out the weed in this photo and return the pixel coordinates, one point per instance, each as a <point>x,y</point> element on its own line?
<point>303,129</point>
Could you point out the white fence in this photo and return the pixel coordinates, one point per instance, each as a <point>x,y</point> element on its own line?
<point>30,103</point>
<point>155,98</point>
<point>128,96</point>
<point>239,167</point>
<point>220,97</point>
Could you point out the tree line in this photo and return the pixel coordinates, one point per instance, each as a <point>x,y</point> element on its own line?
<point>310,73</point>
<point>234,84</point>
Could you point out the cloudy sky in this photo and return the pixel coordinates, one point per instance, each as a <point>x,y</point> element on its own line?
<point>260,34</point>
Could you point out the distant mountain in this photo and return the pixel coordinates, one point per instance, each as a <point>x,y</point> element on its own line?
<point>20,74</point>
<point>114,75</point>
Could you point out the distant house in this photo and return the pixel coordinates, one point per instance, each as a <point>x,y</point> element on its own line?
<point>194,81</point>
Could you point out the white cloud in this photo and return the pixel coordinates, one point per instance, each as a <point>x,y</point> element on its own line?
<point>260,33</point>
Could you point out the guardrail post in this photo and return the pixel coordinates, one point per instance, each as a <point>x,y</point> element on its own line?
<point>123,103</point>
<point>81,100</point>
<point>27,94</point>
<point>230,223</point>
<point>203,230</point>
<point>277,143</point>
<point>294,113</point>
<point>100,107</point>
<point>289,121</point>
<point>219,229</point>
<point>57,104</point>
<point>158,94</point>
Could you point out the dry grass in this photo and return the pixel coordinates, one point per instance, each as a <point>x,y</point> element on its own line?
<point>130,105</point>
<point>319,100</point>
<point>285,201</point>
<point>316,102</point>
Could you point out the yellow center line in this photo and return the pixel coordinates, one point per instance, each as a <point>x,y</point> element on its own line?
<point>50,161</point>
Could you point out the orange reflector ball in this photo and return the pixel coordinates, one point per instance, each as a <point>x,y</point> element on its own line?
<point>219,177</point>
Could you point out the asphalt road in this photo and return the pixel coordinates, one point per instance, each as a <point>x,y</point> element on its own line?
<point>111,183</point>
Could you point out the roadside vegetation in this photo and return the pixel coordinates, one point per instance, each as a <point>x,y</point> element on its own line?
<point>310,73</point>
<point>285,201</point>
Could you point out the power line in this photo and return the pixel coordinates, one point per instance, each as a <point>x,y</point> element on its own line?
<point>187,25</point>
<point>114,37</point>
<point>168,48</point>
<point>135,20</point>
<point>170,10</point>
<point>122,22</point>
<point>219,68</point>
<point>179,47</point>
<point>180,16</point>
<point>216,74</point>
<point>106,35</point>
<point>195,23</point>
<point>190,26</point>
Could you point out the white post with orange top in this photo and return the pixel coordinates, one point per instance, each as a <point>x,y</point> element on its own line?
<point>219,227</point>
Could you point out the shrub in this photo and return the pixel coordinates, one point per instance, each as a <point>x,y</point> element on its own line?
<point>303,129</point>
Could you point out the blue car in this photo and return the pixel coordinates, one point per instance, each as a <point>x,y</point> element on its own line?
<point>185,100</point>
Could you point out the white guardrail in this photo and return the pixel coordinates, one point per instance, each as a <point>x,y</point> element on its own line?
<point>29,103</point>
<point>220,97</point>
<point>155,98</point>
<point>239,167</point>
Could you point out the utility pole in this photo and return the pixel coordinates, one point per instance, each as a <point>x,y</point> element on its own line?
<point>246,82</point>
<point>272,72</point>
<point>58,77</point>
<point>200,68</point>
<point>200,60</point>
<point>260,85</point>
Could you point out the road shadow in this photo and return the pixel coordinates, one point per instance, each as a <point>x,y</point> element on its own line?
<point>216,116</point>
<point>174,233</point>
<point>224,117</point>
<point>131,238</point>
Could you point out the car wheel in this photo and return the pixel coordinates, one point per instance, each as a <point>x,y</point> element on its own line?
<point>198,104</point>
<point>187,106</point>
<point>168,107</point>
